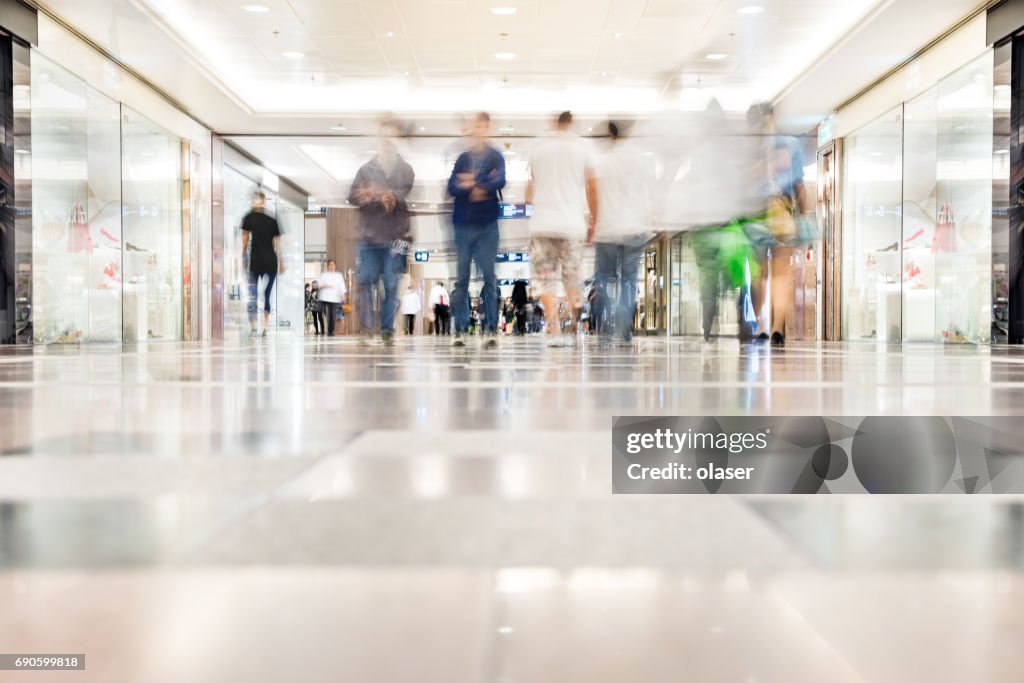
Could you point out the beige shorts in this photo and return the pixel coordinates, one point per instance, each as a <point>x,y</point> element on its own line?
<point>554,259</point>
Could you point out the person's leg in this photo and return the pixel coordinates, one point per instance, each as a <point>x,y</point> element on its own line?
<point>631,258</point>
<point>318,318</point>
<point>570,255</point>
<point>485,252</point>
<point>331,313</point>
<point>394,267</point>
<point>271,278</point>
<point>782,289</point>
<point>367,274</point>
<point>544,266</point>
<point>460,293</point>
<point>253,305</point>
<point>605,258</point>
<point>437,320</point>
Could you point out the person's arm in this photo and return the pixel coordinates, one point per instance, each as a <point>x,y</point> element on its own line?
<point>277,247</point>
<point>591,203</point>
<point>277,251</point>
<point>495,180</point>
<point>361,195</point>
<point>245,243</point>
<point>456,183</point>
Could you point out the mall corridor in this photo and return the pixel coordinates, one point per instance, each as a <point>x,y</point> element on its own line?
<point>212,512</point>
<point>511,341</point>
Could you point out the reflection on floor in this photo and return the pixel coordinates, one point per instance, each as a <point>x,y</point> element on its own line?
<point>317,511</point>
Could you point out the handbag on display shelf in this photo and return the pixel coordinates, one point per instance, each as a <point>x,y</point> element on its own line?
<point>945,231</point>
<point>78,232</point>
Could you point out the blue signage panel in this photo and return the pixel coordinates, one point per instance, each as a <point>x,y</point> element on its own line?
<point>422,256</point>
<point>512,257</point>
<point>512,211</point>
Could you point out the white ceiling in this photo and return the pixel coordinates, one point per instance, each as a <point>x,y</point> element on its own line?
<point>440,55</point>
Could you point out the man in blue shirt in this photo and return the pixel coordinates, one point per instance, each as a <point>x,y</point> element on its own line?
<point>476,183</point>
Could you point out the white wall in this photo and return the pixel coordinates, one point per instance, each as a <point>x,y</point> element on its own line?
<point>954,51</point>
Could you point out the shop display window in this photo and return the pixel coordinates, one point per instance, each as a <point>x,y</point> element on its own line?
<point>151,186</point>
<point>76,209</point>
<point>872,219</point>
<point>917,241</point>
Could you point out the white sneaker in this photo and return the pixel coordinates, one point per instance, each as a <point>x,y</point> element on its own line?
<point>559,341</point>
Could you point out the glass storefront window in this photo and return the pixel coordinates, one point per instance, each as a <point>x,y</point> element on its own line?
<point>872,208</point>
<point>963,239</point>
<point>76,209</point>
<point>238,193</point>
<point>151,186</point>
<point>917,211</point>
<point>290,304</point>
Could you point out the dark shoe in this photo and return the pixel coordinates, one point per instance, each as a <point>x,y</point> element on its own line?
<point>778,339</point>
<point>491,340</point>
<point>458,341</point>
<point>762,338</point>
<point>388,338</point>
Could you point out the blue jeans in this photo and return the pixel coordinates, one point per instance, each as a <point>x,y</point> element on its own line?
<point>620,262</point>
<point>476,243</point>
<point>254,293</point>
<point>376,261</point>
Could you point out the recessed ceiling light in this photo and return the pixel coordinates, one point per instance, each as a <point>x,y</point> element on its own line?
<point>716,56</point>
<point>390,34</point>
<point>618,34</point>
<point>505,55</point>
<point>256,9</point>
<point>293,55</point>
<point>22,151</point>
<point>750,9</point>
<point>604,73</point>
<point>506,129</point>
<point>503,11</point>
<point>339,127</point>
<point>423,129</point>
<point>1002,151</point>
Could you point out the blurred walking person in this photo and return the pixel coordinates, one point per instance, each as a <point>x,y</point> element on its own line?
<point>380,190</point>
<point>440,302</point>
<point>411,307</point>
<point>625,178</point>
<point>562,188</point>
<point>263,234</point>
<point>476,181</point>
<point>313,304</point>
<point>520,299</point>
<point>331,293</point>
<point>787,204</point>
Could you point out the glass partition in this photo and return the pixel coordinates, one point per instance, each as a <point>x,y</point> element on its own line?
<point>963,238</point>
<point>872,209</point>
<point>151,187</point>
<point>920,165</point>
<point>289,294</point>
<point>76,209</point>
<point>238,193</point>
<point>917,237</point>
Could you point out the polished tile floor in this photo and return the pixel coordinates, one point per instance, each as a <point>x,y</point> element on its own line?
<point>313,511</point>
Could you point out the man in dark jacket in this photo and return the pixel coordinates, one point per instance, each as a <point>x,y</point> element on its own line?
<point>476,180</point>
<point>379,190</point>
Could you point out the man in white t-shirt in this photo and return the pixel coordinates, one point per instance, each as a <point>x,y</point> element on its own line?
<point>562,188</point>
<point>331,294</point>
<point>440,303</point>
<point>626,177</point>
